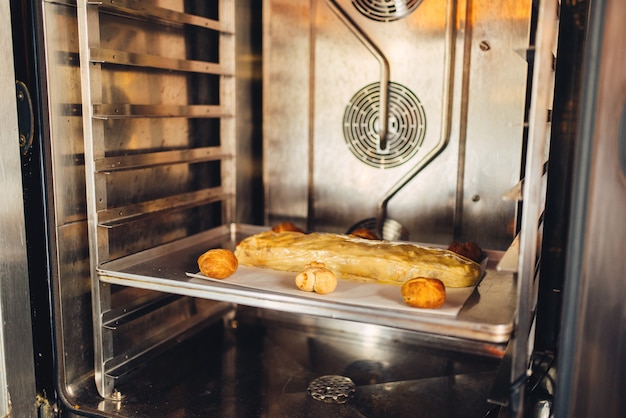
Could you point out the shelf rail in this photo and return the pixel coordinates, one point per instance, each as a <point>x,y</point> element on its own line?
<point>114,85</point>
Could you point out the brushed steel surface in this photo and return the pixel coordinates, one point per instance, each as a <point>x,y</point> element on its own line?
<point>128,162</point>
<point>313,65</point>
<point>153,61</point>
<point>383,85</point>
<point>593,334</point>
<point>344,190</point>
<point>534,190</point>
<point>142,163</point>
<point>170,11</point>
<point>112,111</point>
<point>152,202</point>
<point>261,365</point>
<point>287,81</point>
<point>495,122</point>
<point>17,369</point>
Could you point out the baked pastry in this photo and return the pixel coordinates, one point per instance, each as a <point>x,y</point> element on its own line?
<point>356,258</point>
<point>286,226</point>
<point>218,263</point>
<point>364,233</point>
<point>422,292</point>
<point>316,278</point>
<point>470,250</point>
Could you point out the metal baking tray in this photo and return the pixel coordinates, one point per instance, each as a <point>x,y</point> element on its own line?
<point>486,314</point>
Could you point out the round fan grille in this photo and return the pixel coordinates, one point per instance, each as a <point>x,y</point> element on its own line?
<point>386,10</point>
<point>332,389</point>
<point>406,126</point>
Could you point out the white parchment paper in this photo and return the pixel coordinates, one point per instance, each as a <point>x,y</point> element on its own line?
<point>364,294</point>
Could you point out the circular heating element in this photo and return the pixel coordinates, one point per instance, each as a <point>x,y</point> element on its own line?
<point>406,126</point>
<point>386,10</point>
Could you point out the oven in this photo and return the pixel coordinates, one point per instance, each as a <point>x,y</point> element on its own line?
<point>165,128</point>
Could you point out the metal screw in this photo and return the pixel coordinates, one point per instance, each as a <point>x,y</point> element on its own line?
<point>484,46</point>
<point>116,395</point>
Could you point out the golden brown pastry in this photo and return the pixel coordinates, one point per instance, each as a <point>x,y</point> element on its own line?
<point>422,292</point>
<point>364,233</point>
<point>355,258</point>
<point>316,278</point>
<point>286,226</point>
<point>218,263</point>
<point>469,250</point>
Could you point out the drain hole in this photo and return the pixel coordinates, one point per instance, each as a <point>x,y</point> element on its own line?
<point>332,389</point>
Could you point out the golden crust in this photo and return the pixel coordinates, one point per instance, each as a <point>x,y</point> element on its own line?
<point>422,292</point>
<point>316,278</point>
<point>364,233</point>
<point>286,226</point>
<point>469,250</point>
<point>356,258</point>
<point>218,263</point>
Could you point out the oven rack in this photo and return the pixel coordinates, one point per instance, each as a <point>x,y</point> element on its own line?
<point>173,174</point>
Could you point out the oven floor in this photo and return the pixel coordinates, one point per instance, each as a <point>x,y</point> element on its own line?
<point>259,367</point>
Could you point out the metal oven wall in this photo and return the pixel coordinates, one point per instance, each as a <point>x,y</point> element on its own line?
<point>65,171</point>
<point>314,66</point>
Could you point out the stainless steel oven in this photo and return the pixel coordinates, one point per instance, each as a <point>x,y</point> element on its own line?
<point>165,128</point>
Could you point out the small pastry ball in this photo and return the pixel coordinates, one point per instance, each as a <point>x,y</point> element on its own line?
<point>316,278</point>
<point>218,263</point>
<point>422,292</point>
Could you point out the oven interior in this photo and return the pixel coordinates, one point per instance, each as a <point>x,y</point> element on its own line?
<point>176,126</point>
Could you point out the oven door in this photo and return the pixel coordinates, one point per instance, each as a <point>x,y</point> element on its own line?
<point>17,370</point>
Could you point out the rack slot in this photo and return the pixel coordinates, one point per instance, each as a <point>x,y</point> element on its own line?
<point>123,363</point>
<point>121,111</point>
<point>154,61</point>
<point>146,10</point>
<point>119,216</point>
<point>155,159</point>
<point>115,318</point>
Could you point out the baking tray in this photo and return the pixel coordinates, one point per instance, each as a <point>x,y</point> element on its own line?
<point>485,313</point>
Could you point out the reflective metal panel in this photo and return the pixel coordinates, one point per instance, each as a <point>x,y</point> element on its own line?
<point>160,177</point>
<point>324,165</point>
<point>17,374</point>
<point>593,339</point>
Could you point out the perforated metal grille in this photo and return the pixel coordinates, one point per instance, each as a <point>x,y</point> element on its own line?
<point>386,10</point>
<point>406,127</point>
<point>332,389</point>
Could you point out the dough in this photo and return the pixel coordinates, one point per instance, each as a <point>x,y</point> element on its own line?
<point>356,258</point>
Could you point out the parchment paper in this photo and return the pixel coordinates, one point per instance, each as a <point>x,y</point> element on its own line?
<point>364,294</point>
